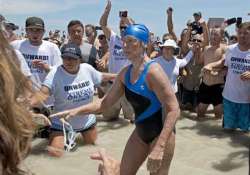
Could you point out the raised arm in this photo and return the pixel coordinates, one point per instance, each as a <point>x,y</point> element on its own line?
<point>184,42</point>
<point>170,23</point>
<point>104,20</point>
<point>205,33</point>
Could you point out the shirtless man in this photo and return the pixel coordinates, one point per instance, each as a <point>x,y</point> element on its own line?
<point>210,91</point>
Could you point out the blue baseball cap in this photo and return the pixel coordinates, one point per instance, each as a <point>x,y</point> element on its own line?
<point>138,31</point>
<point>71,50</point>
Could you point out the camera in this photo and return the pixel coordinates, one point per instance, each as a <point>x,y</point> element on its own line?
<point>238,22</point>
<point>170,9</point>
<point>230,21</point>
<point>98,28</point>
<point>123,14</point>
<point>196,28</point>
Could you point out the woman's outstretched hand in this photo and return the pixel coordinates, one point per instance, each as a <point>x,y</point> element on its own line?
<point>108,165</point>
<point>65,114</point>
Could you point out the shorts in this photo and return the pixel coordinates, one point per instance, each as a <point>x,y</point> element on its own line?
<point>236,115</point>
<point>81,126</point>
<point>210,94</point>
<point>188,96</point>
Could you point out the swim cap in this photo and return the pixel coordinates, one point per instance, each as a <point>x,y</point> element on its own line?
<point>138,31</point>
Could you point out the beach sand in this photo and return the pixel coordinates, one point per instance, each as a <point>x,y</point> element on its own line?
<point>202,148</point>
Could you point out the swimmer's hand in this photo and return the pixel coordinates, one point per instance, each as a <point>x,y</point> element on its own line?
<point>66,114</point>
<point>108,165</point>
<point>155,158</point>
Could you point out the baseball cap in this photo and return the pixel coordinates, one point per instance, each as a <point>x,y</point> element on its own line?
<point>71,50</point>
<point>169,43</point>
<point>34,22</point>
<point>197,14</point>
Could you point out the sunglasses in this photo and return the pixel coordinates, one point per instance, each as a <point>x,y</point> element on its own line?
<point>196,41</point>
<point>123,27</point>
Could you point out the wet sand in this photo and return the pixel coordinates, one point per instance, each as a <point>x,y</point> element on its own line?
<point>202,148</point>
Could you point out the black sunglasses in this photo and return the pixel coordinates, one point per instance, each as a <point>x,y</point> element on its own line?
<point>196,41</point>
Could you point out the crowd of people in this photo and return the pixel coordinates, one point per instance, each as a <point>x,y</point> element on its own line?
<point>150,79</point>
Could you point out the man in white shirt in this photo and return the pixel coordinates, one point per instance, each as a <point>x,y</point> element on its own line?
<point>117,61</point>
<point>237,87</point>
<point>236,101</point>
<point>40,55</point>
<point>76,32</point>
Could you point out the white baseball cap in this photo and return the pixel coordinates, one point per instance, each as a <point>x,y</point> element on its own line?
<point>169,43</point>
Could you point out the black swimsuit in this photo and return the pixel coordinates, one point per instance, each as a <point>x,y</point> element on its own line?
<point>147,107</point>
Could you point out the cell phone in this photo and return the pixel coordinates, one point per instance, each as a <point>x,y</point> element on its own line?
<point>230,21</point>
<point>98,28</point>
<point>238,22</point>
<point>123,14</point>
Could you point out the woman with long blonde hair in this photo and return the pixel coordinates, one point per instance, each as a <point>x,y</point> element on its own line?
<point>16,126</point>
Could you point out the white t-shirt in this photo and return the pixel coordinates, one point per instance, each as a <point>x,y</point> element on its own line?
<point>171,68</point>
<point>73,90</point>
<point>47,52</point>
<point>117,60</point>
<point>23,64</point>
<point>237,62</point>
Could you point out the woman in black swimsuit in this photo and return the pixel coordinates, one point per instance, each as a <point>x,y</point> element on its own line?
<point>156,108</point>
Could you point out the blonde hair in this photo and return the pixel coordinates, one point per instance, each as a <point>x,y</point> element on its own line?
<point>16,126</point>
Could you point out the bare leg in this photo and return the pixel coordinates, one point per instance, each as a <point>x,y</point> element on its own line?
<point>218,111</point>
<point>201,110</point>
<point>134,155</point>
<point>56,144</point>
<point>90,136</point>
<point>168,156</point>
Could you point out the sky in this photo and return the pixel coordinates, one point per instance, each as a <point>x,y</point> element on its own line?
<point>152,13</point>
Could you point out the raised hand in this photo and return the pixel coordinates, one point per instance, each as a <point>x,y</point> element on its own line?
<point>108,6</point>
<point>170,11</point>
